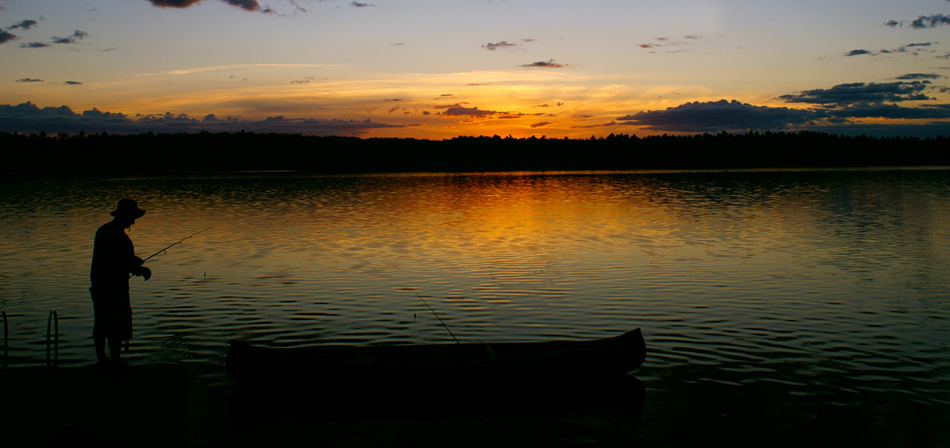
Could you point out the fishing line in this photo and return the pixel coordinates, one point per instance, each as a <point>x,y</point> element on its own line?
<point>437,317</point>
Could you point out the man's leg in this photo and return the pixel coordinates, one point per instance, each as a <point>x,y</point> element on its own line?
<point>99,330</point>
<point>100,349</point>
<point>102,361</point>
<point>115,348</point>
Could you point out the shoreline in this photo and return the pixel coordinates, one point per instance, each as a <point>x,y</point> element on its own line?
<point>261,152</point>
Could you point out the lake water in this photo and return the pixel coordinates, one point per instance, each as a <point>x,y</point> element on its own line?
<point>818,297</point>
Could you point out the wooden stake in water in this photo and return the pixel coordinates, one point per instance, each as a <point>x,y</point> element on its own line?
<point>440,319</point>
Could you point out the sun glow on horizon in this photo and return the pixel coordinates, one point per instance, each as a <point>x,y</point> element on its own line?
<point>413,71</point>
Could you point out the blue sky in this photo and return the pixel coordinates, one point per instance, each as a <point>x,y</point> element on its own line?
<point>435,69</point>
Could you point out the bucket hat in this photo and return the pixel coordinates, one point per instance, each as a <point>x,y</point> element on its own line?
<point>127,208</point>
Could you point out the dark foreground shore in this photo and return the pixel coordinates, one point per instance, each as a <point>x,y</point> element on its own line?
<point>75,406</point>
<point>171,405</point>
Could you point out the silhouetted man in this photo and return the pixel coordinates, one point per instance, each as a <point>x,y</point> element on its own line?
<point>113,259</point>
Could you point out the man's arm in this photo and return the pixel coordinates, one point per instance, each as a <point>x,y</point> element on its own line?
<point>136,268</point>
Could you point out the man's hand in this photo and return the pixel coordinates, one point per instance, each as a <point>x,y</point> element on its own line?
<point>145,272</point>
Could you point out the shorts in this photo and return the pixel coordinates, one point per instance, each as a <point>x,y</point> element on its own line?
<point>113,314</point>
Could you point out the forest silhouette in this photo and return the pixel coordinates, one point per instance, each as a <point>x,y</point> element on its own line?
<point>247,151</point>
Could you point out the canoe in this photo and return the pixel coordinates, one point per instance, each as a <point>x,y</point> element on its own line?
<point>477,366</point>
<point>410,381</point>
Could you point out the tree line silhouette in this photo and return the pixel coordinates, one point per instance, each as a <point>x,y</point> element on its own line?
<point>249,151</point>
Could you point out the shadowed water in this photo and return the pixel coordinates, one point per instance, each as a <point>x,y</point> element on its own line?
<point>819,290</point>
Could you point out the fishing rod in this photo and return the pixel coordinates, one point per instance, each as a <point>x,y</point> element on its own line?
<point>172,245</point>
<point>440,319</point>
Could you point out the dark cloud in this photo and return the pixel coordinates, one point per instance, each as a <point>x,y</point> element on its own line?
<point>27,117</point>
<point>77,35</point>
<point>34,45</point>
<point>667,42</point>
<point>471,112</point>
<point>474,112</point>
<point>914,48</point>
<point>858,53</point>
<point>913,76</point>
<point>930,21</point>
<point>362,5</point>
<point>7,37</point>
<point>541,124</point>
<point>890,111</point>
<point>735,116</point>
<point>545,64</point>
<point>247,5</point>
<point>844,94</point>
<point>73,83</point>
<point>478,84</point>
<point>502,44</point>
<point>23,25</point>
<point>29,80</point>
<point>921,22</point>
<point>719,115</point>
<point>173,3</point>
<point>602,125</point>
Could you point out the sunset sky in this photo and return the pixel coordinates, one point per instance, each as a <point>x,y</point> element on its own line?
<point>438,69</point>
